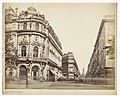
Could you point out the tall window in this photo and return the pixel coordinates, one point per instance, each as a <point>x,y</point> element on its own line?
<point>24,26</point>
<point>23,51</point>
<point>35,51</point>
<point>37,26</point>
<point>22,70</point>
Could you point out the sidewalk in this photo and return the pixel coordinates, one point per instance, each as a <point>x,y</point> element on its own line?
<point>22,85</point>
<point>57,85</point>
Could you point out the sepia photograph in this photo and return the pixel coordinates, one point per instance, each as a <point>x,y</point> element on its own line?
<point>59,48</point>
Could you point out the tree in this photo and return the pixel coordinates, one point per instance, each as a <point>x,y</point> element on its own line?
<point>10,53</point>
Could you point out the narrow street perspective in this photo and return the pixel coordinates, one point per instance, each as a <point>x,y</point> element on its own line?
<point>60,46</point>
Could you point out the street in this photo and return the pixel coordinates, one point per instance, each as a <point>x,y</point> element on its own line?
<point>57,85</point>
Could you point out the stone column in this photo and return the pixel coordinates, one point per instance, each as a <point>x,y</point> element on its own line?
<point>18,72</point>
<point>30,46</point>
<point>28,25</point>
<point>19,50</point>
<point>29,74</point>
<point>41,76</point>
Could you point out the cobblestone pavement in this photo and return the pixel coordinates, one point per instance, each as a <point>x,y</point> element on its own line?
<point>57,85</point>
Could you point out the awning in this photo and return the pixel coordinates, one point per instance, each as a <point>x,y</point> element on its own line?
<point>53,72</point>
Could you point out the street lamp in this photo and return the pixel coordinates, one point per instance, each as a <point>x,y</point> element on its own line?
<point>27,70</point>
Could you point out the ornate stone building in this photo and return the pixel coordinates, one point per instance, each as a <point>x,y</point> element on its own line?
<point>102,62</point>
<point>70,68</point>
<point>38,48</point>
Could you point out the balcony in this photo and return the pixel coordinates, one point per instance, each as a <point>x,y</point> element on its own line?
<point>33,59</point>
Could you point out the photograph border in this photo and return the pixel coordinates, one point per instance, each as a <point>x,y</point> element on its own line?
<point>61,92</point>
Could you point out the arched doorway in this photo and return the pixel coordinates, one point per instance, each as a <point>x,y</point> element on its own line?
<point>35,72</point>
<point>22,72</point>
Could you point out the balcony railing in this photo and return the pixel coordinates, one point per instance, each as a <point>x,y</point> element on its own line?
<point>42,59</point>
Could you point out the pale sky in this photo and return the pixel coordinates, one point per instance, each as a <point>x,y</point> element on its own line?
<point>75,24</point>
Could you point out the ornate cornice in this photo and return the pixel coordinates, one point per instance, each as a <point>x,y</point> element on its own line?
<point>33,59</point>
<point>23,43</point>
<point>36,43</point>
<point>28,32</point>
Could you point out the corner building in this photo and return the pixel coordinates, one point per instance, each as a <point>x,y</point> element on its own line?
<point>102,62</point>
<point>70,68</point>
<point>36,42</point>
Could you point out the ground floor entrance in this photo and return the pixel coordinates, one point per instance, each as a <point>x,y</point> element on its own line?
<point>22,72</point>
<point>35,73</point>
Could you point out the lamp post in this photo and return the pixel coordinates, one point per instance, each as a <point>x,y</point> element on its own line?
<point>27,70</point>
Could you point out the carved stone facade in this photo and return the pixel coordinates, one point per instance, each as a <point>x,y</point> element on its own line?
<point>36,41</point>
<point>102,62</point>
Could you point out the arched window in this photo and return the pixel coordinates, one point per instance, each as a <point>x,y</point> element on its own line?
<point>37,26</point>
<point>35,70</point>
<point>24,26</point>
<point>22,72</point>
<point>35,51</point>
<point>23,51</point>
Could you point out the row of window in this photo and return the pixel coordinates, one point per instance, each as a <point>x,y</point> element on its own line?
<point>35,51</point>
<point>36,26</point>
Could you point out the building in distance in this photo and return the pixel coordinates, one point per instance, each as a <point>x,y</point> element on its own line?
<point>70,67</point>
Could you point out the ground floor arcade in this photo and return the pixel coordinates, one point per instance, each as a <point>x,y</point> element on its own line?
<point>36,71</point>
